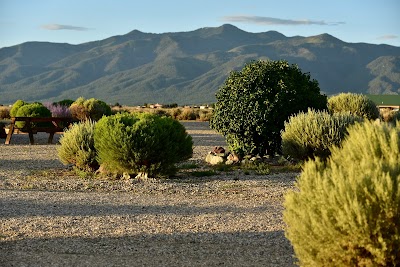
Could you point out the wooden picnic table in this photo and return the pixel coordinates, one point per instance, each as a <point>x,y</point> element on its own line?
<point>58,124</point>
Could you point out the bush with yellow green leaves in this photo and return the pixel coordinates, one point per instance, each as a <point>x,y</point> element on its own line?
<point>346,211</point>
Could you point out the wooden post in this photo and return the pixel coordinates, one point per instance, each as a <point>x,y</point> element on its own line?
<point>10,132</point>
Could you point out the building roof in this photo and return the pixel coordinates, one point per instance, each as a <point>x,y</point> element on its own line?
<point>385,100</point>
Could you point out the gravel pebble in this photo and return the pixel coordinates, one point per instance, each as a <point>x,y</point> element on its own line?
<point>49,216</point>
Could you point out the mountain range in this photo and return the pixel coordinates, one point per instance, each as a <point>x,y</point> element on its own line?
<point>186,67</point>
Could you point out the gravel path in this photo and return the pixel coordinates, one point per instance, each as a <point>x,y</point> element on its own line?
<point>51,217</point>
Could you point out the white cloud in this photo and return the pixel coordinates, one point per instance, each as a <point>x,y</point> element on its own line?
<point>276,21</point>
<point>388,37</point>
<point>56,27</point>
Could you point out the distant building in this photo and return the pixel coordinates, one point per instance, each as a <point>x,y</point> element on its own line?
<point>386,101</point>
<point>156,106</point>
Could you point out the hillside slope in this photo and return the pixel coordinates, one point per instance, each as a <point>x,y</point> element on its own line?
<point>186,67</point>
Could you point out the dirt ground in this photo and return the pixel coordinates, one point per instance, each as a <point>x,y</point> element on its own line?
<point>52,217</point>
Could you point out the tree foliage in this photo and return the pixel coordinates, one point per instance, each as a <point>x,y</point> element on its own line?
<point>254,103</point>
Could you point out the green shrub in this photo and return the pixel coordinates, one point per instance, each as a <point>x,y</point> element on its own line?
<point>356,104</point>
<point>33,110</point>
<point>254,103</point>
<point>311,134</point>
<point>92,108</point>
<point>77,146</point>
<point>142,143</point>
<point>347,210</point>
<point>14,109</point>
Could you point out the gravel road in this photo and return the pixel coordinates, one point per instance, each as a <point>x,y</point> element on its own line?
<point>49,216</point>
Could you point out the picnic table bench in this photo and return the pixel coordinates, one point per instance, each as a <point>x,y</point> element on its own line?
<point>58,124</point>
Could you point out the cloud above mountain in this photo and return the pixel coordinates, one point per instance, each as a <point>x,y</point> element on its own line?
<point>276,21</point>
<point>388,37</point>
<point>56,27</point>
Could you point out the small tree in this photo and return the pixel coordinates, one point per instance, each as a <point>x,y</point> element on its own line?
<point>254,103</point>
<point>356,104</point>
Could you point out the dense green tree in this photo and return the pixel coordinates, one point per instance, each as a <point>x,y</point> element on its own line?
<point>253,104</point>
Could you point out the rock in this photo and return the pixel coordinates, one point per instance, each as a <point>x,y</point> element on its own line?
<point>218,150</point>
<point>214,159</point>
<point>233,157</point>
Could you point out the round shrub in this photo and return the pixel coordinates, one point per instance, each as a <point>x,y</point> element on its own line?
<point>142,144</point>
<point>311,134</point>
<point>92,108</point>
<point>77,146</point>
<point>346,212</point>
<point>254,103</point>
<point>14,109</point>
<point>356,104</point>
<point>33,110</point>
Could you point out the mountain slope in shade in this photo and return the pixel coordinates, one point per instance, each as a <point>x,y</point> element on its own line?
<point>186,67</point>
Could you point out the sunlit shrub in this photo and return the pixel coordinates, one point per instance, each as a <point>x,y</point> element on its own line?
<point>311,134</point>
<point>187,114</point>
<point>14,109</point>
<point>92,108</point>
<point>141,144</point>
<point>356,104</point>
<point>346,212</point>
<point>33,110</point>
<point>77,146</point>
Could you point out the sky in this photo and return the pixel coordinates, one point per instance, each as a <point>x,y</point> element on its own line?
<point>80,21</point>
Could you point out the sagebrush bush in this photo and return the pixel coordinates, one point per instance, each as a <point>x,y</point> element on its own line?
<point>356,104</point>
<point>77,146</point>
<point>141,143</point>
<point>33,110</point>
<point>187,114</point>
<point>14,109</point>
<point>312,134</point>
<point>92,108</point>
<point>346,212</point>
<point>205,115</point>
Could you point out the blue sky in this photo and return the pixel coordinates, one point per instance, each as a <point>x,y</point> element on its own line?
<point>79,21</point>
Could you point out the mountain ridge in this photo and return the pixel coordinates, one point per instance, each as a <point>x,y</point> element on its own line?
<point>186,67</point>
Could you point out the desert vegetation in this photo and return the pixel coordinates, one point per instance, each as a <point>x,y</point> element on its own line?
<point>346,211</point>
<point>343,209</point>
